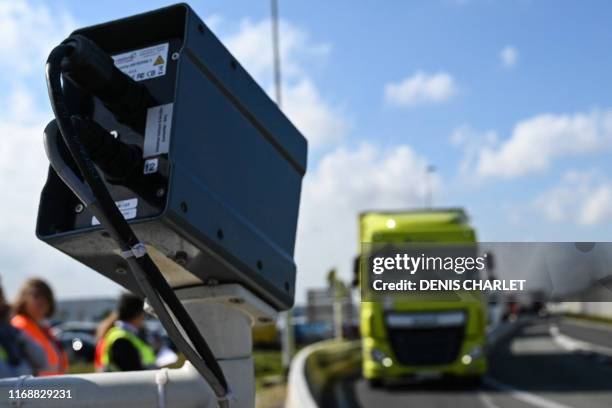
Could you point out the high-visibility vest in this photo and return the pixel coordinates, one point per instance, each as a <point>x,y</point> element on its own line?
<point>146,353</point>
<point>99,351</point>
<point>57,361</point>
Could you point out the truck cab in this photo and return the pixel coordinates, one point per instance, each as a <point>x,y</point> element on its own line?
<point>406,337</point>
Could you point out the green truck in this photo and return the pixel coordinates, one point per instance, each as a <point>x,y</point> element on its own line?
<point>407,337</point>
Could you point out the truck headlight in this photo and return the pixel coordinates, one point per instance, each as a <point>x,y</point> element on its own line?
<point>381,358</point>
<point>473,354</point>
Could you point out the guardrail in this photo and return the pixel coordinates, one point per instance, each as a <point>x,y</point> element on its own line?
<point>315,366</point>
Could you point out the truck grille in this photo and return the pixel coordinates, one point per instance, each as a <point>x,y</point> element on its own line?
<point>426,346</point>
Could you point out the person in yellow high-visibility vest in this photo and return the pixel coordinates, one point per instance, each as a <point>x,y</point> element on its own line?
<point>123,347</point>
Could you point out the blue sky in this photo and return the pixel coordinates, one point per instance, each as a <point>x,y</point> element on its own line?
<point>511,101</point>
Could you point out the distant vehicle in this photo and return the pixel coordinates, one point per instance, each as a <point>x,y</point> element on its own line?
<point>79,338</point>
<point>79,346</point>
<point>76,327</point>
<point>266,336</point>
<point>421,339</point>
<point>307,333</point>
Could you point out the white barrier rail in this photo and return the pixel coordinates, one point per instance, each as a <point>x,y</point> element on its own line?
<point>181,388</point>
<point>314,367</point>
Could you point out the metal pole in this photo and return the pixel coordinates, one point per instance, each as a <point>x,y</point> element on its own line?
<point>429,170</point>
<point>287,340</point>
<point>276,53</point>
<point>338,317</point>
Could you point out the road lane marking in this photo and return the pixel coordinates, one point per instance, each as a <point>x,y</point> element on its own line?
<point>571,344</point>
<point>524,396</point>
<point>535,345</point>
<point>487,401</point>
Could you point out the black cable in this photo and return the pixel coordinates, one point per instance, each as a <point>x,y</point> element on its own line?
<point>94,71</point>
<point>51,139</point>
<point>120,162</point>
<point>155,287</point>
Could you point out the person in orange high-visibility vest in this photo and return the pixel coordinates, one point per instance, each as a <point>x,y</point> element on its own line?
<point>19,355</point>
<point>34,304</point>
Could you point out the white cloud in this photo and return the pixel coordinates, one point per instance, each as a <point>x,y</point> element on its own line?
<point>472,142</point>
<point>214,22</point>
<point>252,46</point>
<point>23,171</point>
<point>597,207</point>
<point>421,88</point>
<point>509,56</point>
<point>535,143</point>
<point>320,122</point>
<point>27,33</point>
<point>346,182</point>
<point>583,198</point>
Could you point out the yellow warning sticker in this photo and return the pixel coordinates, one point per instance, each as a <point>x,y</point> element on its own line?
<point>144,63</point>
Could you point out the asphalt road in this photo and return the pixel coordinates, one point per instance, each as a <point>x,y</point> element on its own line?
<point>529,369</point>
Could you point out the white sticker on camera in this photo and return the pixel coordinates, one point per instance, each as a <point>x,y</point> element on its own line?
<point>151,165</point>
<point>127,207</point>
<point>157,130</point>
<point>145,63</point>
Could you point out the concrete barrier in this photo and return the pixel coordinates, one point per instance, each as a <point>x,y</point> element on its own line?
<point>315,366</point>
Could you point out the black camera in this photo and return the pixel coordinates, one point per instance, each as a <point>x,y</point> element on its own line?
<point>200,161</point>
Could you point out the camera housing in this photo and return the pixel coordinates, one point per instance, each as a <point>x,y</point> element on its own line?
<point>217,196</point>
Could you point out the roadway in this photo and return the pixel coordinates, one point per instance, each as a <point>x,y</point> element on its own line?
<point>532,368</point>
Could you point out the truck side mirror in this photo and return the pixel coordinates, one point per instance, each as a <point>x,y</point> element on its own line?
<point>355,281</point>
